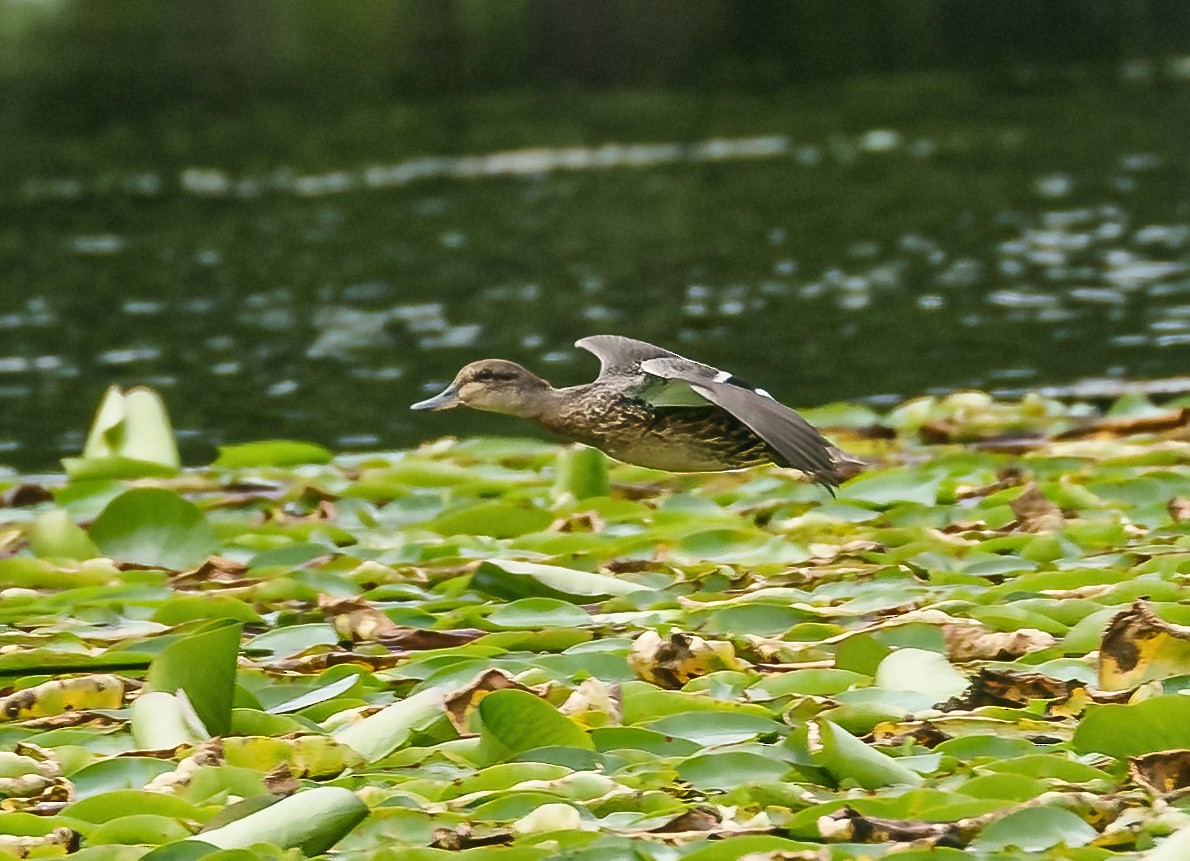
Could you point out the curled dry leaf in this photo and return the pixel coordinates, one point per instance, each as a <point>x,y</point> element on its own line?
<point>1169,421</point>
<point>672,662</point>
<point>1138,647</point>
<point>848,825</point>
<point>60,841</point>
<point>701,818</point>
<point>464,837</point>
<point>462,703</point>
<point>216,569</point>
<point>355,620</point>
<point>581,521</point>
<point>320,661</point>
<point>1162,773</point>
<point>1009,688</point>
<point>281,780</point>
<point>1010,476</point>
<point>594,703</point>
<point>973,642</point>
<point>207,754</point>
<point>1179,509</point>
<point>1035,513</point>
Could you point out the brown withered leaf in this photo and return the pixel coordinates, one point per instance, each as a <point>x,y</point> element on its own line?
<point>355,620</point>
<point>420,639</point>
<point>1179,509</point>
<point>848,825</point>
<point>921,732</point>
<point>1035,513</point>
<point>216,569</point>
<point>699,818</point>
<point>319,661</point>
<point>280,780</point>
<point>1009,476</point>
<point>1009,688</point>
<point>973,642</point>
<point>670,663</point>
<point>1163,773</point>
<point>594,703</point>
<point>464,837</point>
<point>59,842</point>
<point>1113,428</point>
<point>461,703</point>
<point>580,521</point>
<point>1138,647</point>
<point>22,495</point>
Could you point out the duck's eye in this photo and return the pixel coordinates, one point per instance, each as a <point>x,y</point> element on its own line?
<point>487,375</point>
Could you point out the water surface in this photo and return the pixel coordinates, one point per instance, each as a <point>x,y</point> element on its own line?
<point>314,284</point>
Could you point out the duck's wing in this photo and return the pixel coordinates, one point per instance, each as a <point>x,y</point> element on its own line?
<point>797,441</point>
<point>619,356</point>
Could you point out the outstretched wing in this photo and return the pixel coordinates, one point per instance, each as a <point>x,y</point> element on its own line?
<point>619,356</point>
<point>797,442</point>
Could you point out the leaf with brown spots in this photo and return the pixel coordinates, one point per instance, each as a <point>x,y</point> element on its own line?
<point>461,704</point>
<point>1138,647</point>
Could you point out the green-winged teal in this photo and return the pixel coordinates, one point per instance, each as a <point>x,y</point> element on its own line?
<point>653,408</point>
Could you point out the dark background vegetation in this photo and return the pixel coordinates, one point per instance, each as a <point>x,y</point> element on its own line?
<point>89,61</point>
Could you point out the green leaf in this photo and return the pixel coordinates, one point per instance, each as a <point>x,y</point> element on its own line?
<point>275,452</point>
<point>1035,829</point>
<point>312,821</point>
<point>203,664</point>
<point>891,486</point>
<point>54,535</point>
<point>507,578</point>
<point>154,526</point>
<point>922,671</point>
<point>539,613</point>
<point>1160,723</point>
<point>124,772</point>
<point>496,518</point>
<point>729,769</point>
<point>106,806</point>
<point>515,721</point>
<point>848,758</point>
<point>377,736</point>
<point>580,472</point>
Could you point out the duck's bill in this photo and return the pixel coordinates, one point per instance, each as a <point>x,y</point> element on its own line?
<point>443,401</point>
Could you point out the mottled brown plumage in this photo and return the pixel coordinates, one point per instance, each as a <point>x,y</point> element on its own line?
<point>653,408</point>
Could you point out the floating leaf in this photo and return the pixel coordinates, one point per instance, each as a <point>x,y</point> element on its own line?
<point>154,526</point>
<point>312,821</point>
<point>847,758</point>
<point>506,578</point>
<point>517,721</point>
<point>274,452</point>
<point>921,670</point>
<point>1035,829</point>
<point>378,735</point>
<point>1138,646</point>
<point>1161,723</point>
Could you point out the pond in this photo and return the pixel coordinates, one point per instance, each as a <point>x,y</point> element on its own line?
<point>276,274</point>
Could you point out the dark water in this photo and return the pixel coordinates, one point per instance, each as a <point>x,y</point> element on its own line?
<point>311,276</point>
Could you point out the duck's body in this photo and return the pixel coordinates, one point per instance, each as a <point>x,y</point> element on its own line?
<point>653,408</point>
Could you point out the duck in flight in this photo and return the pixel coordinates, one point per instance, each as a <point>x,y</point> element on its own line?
<point>654,408</point>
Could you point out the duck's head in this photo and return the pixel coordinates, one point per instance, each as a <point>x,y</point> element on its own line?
<point>493,385</point>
